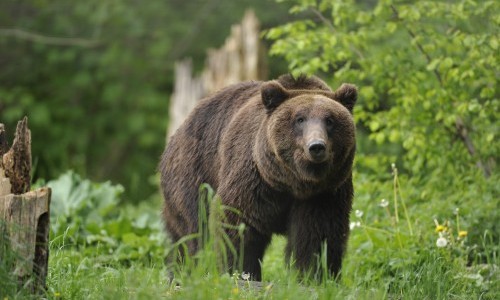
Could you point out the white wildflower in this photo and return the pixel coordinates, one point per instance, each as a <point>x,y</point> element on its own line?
<point>358,213</point>
<point>384,203</point>
<point>245,275</point>
<point>353,225</point>
<point>441,242</point>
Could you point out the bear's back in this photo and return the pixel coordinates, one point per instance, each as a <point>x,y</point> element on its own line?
<point>194,146</point>
<point>212,114</point>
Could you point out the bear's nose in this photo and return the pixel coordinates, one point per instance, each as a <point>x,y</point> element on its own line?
<point>317,149</point>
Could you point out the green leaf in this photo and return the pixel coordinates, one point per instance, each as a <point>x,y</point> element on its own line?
<point>494,43</point>
<point>447,63</point>
<point>374,125</point>
<point>433,64</point>
<point>391,27</point>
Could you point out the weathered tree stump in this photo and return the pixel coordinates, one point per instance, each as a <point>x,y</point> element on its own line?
<point>17,161</point>
<point>241,58</point>
<point>24,215</point>
<point>4,145</point>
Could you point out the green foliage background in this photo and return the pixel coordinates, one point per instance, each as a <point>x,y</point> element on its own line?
<point>428,100</point>
<point>100,106</point>
<point>427,72</point>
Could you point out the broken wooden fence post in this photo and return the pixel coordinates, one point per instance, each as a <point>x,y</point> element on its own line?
<point>24,214</point>
<point>241,58</point>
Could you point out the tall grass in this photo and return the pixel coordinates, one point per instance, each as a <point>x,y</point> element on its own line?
<point>73,275</point>
<point>8,282</point>
<point>12,265</point>
<point>386,258</point>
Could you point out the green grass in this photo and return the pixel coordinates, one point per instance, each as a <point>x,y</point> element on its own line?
<point>118,253</point>
<point>431,276</point>
<point>76,276</point>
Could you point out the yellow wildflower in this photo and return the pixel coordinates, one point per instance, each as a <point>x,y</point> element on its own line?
<point>440,228</point>
<point>462,234</point>
<point>57,294</point>
<point>235,291</point>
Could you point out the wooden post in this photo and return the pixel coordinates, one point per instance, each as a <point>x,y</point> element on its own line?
<point>24,214</point>
<point>187,91</point>
<point>241,58</point>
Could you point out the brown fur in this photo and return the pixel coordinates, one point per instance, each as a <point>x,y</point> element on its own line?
<point>248,142</point>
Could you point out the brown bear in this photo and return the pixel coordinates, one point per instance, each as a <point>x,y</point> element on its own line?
<point>281,153</point>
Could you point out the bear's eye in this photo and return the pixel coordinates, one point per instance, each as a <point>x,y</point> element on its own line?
<point>329,122</point>
<point>300,120</point>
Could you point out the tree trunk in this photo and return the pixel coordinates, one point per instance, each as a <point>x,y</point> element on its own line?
<point>24,215</point>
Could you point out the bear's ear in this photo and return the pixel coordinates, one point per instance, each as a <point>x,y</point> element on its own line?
<point>273,94</point>
<point>346,94</point>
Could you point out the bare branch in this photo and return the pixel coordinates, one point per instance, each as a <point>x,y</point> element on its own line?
<point>323,19</point>
<point>48,40</point>
<point>464,136</point>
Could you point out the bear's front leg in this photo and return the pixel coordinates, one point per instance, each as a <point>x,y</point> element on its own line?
<point>314,223</point>
<point>254,246</point>
<point>250,248</point>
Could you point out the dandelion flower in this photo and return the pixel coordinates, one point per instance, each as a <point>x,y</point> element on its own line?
<point>245,275</point>
<point>384,203</point>
<point>456,211</point>
<point>358,213</point>
<point>441,242</point>
<point>440,228</point>
<point>462,234</point>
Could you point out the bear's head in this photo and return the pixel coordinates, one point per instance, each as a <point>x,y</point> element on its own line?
<point>310,133</point>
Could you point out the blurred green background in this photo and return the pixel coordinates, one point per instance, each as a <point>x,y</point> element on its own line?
<point>97,99</point>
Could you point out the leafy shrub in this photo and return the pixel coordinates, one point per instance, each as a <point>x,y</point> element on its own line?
<point>90,216</point>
